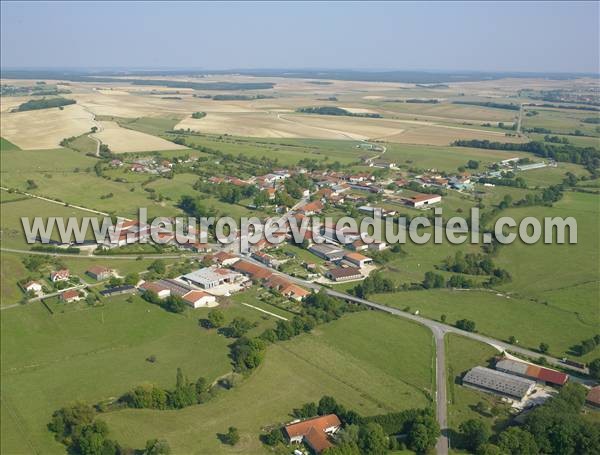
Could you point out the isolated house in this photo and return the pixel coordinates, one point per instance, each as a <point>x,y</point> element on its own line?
<point>60,275</point>
<point>314,432</point>
<point>197,299</point>
<point>99,273</point>
<point>161,291</point>
<point>33,286</point>
<point>72,295</point>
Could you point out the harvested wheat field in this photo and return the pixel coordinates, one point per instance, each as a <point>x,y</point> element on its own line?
<point>45,128</point>
<point>121,140</point>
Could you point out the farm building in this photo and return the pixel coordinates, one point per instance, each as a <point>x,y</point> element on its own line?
<point>224,258</point>
<point>98,272</point>
<point>176,287</point>
<point>118,290</point>
<point>423,200</point>
<point>357,259</point>
<point>593,397</point>
<point>72,295</point>
<point>314,432</point>
<point>530,371</point>
<point>498,382</point>
<point>197,299</point>
<point>60,275</point>
<point>253,271</point>
<point>344,273</point>
<point>161,291</point>
<point>327,252</point>
<point>210,277</point>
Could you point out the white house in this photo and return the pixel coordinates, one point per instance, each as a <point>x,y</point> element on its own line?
<point>33,286</point>
<point>197,299</point>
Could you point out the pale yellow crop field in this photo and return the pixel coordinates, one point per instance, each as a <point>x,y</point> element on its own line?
<point>121,140</point>
<point>272,116</point>
<point>44,128</point>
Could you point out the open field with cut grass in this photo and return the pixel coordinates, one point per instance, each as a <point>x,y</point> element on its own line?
<point>371,372</point>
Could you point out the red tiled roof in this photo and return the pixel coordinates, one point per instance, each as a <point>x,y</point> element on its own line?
<point>552,376</point>
<point>70,294</point>
<point>194,296</point>
<point>320,423</point>
<point>593,396</point>
<point>153,287</point>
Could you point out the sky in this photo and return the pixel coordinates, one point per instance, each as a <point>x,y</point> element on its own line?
<point>510,36</point>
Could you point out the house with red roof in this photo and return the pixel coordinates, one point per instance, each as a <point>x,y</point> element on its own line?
<point>72,295</point>
<point>197,299</point>
<point>60,275</point>
<point>314,432</point>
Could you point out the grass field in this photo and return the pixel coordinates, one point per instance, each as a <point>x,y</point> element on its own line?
<point>51,360</point>
<point>443,158</point>
<point>371,372</point>
<point>54,364</point>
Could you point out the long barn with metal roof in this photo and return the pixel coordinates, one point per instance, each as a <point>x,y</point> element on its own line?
<point>494,381</point>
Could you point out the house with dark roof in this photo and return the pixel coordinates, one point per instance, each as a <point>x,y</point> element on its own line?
<point>99,273</point>
<point>344,273</point>
<point>593,397</point>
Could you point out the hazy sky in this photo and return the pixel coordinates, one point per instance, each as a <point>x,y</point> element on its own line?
<point>448,36</point>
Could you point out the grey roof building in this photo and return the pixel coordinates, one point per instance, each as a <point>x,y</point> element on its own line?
<point>498,382</point>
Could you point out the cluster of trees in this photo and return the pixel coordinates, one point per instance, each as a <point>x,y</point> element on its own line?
<point>55,249</point>
<point>594,368</point>
<point>474,264</point>
<point>556,427</point>
<point>173,303</point>
<point>193,207</point>
<point>44,103</point>
<point>76,427</point>
<point>247,353</point>
<point>226,192</point>
<point>333,110</point>
<point>184,394</point>
<point>470,263</point>
<point>587,346</point>
<point>415,186</point>
<point>373,284</point>
<point>373,435</point>
<point>466,324</point>
<point>509,106</point>
<point>518,182</point>
<point>548,196</point>
<point>199,115</point>
<point>296,184</point>
<point>587,156</point>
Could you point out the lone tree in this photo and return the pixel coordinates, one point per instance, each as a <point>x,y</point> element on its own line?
<point>544,348</point>
<point>216,318</point>
<point>232,437</point>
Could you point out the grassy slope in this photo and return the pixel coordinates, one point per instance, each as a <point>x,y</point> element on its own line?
<point>52,360</point>
<point>369,371</point>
